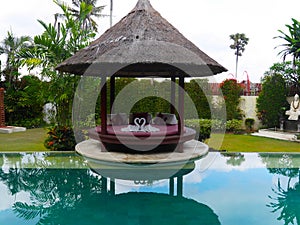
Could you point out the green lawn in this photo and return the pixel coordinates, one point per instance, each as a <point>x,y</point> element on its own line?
<point>30,140</point>
<point>33,139</point>
<point>248,143</point>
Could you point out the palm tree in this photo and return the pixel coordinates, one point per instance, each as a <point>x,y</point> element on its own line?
<point>51,48</point>
<point>287,201</point>
<point>292,39</point>
<point>240,41</point>
<point>80,6</point>
<point>234,159</point>
<point>11,46</point>
<point>111,11</point>
<point>52,191</point>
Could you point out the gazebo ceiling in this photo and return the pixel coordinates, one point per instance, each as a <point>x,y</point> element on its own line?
<point>143,42</point>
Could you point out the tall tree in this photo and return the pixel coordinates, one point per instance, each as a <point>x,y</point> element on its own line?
<point>50,49</point>
<point>232,95</point>
<point>111,11</point>
<point>10,47</point>
<point>89,6</point>
<point>292,41</point>
<point>271,102</point>
<point>239,42</point>
<point>290,71</point>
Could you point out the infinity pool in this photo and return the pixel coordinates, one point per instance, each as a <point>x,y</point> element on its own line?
<point>227,189</point>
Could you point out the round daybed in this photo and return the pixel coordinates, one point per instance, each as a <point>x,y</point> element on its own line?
<point>167,139</point>
<point>140,133</point>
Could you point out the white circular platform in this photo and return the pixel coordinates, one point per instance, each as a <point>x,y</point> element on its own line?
<point>192,150</point>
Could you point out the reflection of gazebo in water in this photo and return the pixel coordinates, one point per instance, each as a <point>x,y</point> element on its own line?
<point>142,44</point>
<point>109,207</point>
<point>139,174</point>
<point>149,208</point>
<point>87,199</point>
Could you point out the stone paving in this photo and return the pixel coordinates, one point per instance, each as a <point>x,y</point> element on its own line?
<point>280,135</point>
<point>91,149</point>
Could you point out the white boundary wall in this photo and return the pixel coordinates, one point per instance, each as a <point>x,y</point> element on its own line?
<point>248,106</point>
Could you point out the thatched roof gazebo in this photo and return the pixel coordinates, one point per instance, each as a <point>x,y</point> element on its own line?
<point>142,44</point>
<point>145,38</point>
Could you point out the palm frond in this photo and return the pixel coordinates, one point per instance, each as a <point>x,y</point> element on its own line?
<point>28,212</point>
<point>292,39</point>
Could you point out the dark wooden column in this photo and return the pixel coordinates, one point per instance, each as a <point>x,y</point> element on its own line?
<point>112,91</point>
<point>103,106</point>
<point>173,82</point>
<point>104,185</point>
<point>2,112</point>
<point>181,105</point>
<point>180,112</point>
<point>180,186</point>
<point>112,186</point>
<point>171,186</point>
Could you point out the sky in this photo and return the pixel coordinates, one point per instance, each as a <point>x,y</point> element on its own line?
<point>207,23</point>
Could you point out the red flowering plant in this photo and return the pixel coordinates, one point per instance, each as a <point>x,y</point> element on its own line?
<point>60,138</point>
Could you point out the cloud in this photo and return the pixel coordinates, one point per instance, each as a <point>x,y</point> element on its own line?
<point>8,200</point>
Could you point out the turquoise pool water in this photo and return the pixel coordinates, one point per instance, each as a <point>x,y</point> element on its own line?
<point>227,189</point>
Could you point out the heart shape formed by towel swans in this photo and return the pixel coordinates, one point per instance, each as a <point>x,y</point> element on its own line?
<point>140,122</point>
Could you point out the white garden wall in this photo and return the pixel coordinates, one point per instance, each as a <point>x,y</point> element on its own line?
<point>248,105</point>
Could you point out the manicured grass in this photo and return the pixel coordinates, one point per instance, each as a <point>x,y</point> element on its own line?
<point>30,140</point>
<point>248,143</point>
<point>33,139</point>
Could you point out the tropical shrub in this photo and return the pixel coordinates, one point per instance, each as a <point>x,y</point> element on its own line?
<point>24,102</point>
<point>234,125</point>
<point>249,122</point>
<point>60,138</point>
<point>202,127</point>
<point>218,125</point>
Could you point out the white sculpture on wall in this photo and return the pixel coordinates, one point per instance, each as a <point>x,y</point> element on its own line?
<point>294,111</point>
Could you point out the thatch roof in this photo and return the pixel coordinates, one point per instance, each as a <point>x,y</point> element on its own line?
<point>143,41</point>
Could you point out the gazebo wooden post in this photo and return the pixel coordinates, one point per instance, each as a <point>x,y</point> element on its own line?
<point>179,186</point>
<point>2,112</point>
<point>112,92</point>
<point>103,105</point>
<point>104,185</point>
<point>180,111</point>
<point>112,186</point>
<point>171,186</point>
<point>173,82</point>
<point>181,105</point>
